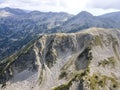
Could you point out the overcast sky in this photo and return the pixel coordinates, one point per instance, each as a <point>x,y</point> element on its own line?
<point>96,7</point>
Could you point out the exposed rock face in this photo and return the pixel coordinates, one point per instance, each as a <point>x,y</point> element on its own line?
<point>87,60</point>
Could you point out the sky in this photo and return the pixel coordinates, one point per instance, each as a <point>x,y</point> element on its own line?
<point>96,7</point>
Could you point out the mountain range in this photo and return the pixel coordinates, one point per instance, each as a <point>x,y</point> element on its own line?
<point>18,27</point>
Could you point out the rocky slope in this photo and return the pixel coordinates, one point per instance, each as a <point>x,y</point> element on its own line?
<point>86,60</point>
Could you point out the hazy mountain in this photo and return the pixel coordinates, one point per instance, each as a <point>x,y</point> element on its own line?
<point>4,12</point>
<point>79,22</point>
<point>86,60</point>
<point>85,20</point>
<point>111,15</point>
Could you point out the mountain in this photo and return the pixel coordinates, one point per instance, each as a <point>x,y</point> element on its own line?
<point>5,12</point>
<point>20,27</point>
<point>111,15</point>
<point>79,22</point>
<point>85,20</point>
<point>86,60</point>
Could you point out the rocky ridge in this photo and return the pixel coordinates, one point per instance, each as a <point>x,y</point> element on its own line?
<point>86,60</point>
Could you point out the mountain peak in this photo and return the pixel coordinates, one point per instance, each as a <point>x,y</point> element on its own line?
<point>13,11</point>
<point>84,14</point>
<point>6,8</point>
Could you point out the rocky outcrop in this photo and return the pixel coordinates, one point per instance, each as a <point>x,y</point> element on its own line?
<point>87,60</point>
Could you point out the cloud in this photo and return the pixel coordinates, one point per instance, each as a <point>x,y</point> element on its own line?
<point>95,7</point>
<point>104,4</point>
<point>71,6</point>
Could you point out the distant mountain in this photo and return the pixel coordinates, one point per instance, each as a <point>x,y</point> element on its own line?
<point>111,15</point>
<point>85,20</point>
<point>10,11</point>
<point>79,21</point>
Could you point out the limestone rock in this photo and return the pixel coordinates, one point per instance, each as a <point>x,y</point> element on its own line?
<point>86,60</point>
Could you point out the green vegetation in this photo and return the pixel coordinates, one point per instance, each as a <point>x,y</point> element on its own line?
<point>41,77</point>
<point>5,64</point>
<point>51,54</point>
<point>103,62</point>
<point>76,76</point>
<point>50,58</point>
<point>98,81</point>
<point>89,56</point>
<point>68,64</point>
<point>98,41</point>
<point>110,38</point>
<point>62,74</point>
<point>94,82</point>
<point>67,85</point>
<point>114,46</point>
<point>86,53</point>
<point>110,61</point>
<point>85,56</point>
